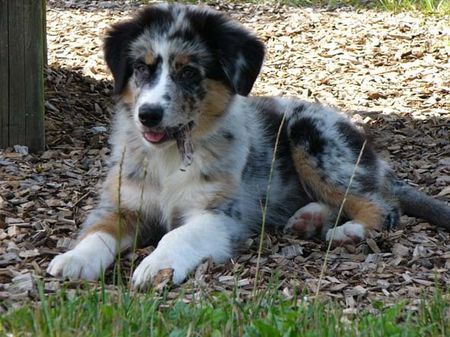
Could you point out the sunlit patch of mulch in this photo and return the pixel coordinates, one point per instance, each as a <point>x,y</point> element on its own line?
<point>390,72</point>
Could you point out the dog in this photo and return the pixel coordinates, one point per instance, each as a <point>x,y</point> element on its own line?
<point>195,160</point>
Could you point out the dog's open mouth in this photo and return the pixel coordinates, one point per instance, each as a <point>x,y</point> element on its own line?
<point>155,136</point>
<point>158,136</point>
<point>182,136</point>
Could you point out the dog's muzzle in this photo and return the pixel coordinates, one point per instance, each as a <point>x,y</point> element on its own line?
<point>150,115</point>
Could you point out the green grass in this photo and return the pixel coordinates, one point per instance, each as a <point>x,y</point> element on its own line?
<point>441,7</point>
<point>425,6</point>
<point>269,314</point>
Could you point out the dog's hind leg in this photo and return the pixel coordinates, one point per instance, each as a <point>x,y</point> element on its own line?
<point>365,214</point>
<point>324,148</point>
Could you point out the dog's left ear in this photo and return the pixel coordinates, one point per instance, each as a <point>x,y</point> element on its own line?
<point>241,55</point>
<point>239,52</point>
<point>116,49</point>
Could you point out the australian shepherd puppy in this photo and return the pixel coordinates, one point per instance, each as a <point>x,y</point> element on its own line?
<point>193,155</point>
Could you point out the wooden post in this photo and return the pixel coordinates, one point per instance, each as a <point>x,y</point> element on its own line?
<point>22,73</point>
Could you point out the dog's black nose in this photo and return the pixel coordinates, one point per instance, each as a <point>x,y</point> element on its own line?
<point>150,114</point>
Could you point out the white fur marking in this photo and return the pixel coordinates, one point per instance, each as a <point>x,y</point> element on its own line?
<point>182,249</point>
<point>349,232</point>
<point>318,214</point>
<point>153,95</point>
<point>88,259</point>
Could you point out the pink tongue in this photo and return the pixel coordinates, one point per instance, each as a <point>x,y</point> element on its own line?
<point>154,137</point>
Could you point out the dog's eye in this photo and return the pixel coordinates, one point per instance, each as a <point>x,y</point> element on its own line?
<point>188,74</point>
<point>140,67</point>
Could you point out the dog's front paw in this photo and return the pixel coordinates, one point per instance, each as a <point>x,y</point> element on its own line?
<point>73,266</point>
<point>349,232</point>
<point>156,262</point>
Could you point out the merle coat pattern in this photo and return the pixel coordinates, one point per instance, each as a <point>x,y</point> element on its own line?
<point>179,67</point>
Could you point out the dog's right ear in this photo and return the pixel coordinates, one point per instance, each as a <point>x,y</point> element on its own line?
<point>116,49</point>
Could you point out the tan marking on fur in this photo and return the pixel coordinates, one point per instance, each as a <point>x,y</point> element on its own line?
<point>111,184</point>
<point>214,105</point>
<point>224,192</point>
<point>149,58</point>
<point>114,224</point>
<point>218,199</point>
<point>357,208</point>
<point>180,61</point>
<point>364,212</point>
<point>128,96</point>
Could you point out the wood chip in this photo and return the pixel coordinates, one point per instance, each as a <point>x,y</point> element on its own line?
<point>400,250</point>
<point>290,252</point>
<point>163,278</point>
<point>21,283</point>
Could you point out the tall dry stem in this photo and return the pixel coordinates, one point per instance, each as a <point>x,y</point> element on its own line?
<point>266,203</point>
<point>324,265</point>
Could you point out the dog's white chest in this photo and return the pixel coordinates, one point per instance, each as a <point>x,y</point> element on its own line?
<point>170,193</point>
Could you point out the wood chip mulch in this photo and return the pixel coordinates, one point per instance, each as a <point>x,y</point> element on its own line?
<point>390,72</point>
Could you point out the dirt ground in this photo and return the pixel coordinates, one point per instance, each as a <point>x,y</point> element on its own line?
<point>390,73</point>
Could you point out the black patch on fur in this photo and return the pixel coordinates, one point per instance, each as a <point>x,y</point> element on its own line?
<point>192,91</point>
<point>206,177</point>
<point>150,231</point>
<point>167,97</point>
<point>301,106</point>
<point>185,34</point>
<point>151,235</point>
<point>305,133</point>
<point>392,218</point>
<point>229,208</point>
<point>271,117</point>
<point>257,165</point>
<point>177,219</point>
<point>367,182</point>
<point>355,139</point>
<point>228,136</point>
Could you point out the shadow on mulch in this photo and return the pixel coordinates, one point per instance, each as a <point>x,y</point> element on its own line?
<point>75,104</point>
<point>93,5</point>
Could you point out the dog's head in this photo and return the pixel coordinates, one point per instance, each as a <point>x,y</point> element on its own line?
<point>178,66</point>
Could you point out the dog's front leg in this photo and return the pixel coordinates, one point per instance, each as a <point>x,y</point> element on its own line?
<point>96,248</point>
<point>182,249</point>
